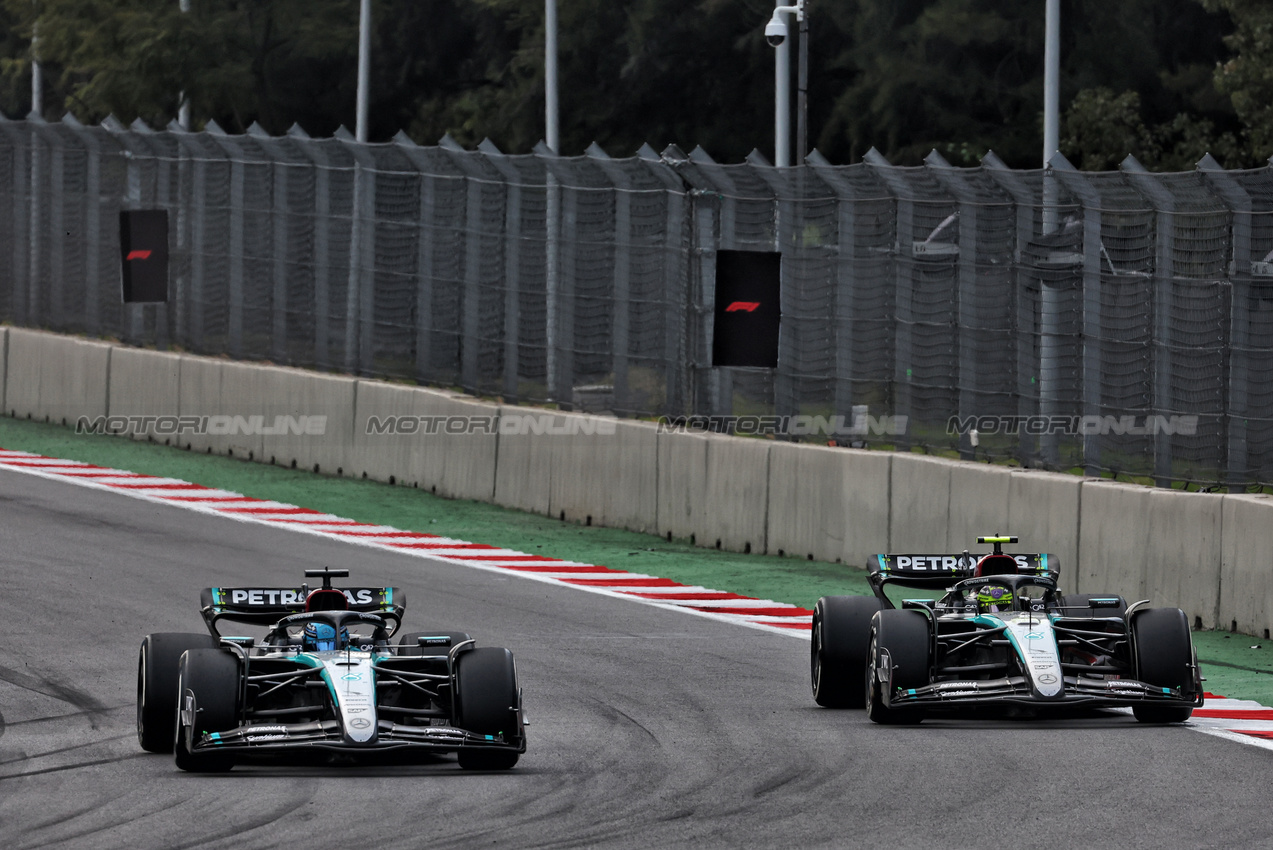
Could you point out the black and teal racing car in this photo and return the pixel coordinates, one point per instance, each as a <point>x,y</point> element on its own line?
<point>325,682</point>
<point>1002,636</point>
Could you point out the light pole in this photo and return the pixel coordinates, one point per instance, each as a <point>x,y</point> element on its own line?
<point>37,78</point>
<point>1050,297</point>
<point>183,110</point>
<point>550,75</point>
<point>364,69</point>
<point>776,32</point>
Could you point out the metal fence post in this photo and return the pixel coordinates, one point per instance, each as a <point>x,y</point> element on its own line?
<point>424,272</point>
<point>846,279</point>
<point>360,296</point>
<point>1240,207</point>
<point>905,228</point>
<point>1078,186</point>
<point>280,212</point>
<point>1025,203</point>
<point>622,271</point>
<point>970,319</point>
<point>471,326</point>
<point>512,266</point>
<point>1164,244</point>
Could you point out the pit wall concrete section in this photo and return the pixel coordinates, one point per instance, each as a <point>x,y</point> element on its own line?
<point>1114,532</point>
<point>1184,554</point>
<point>589,469</point>
<point>56,378</point>
<point>144,384</point>
<point>828,505</point>
<point>1246,565</point>
<point>919,504</point>
<point>419,437</point>
<point>715,490</point>
<point>1043,512</point>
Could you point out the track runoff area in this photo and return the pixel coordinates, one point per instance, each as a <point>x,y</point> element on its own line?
<point>1244,721</point>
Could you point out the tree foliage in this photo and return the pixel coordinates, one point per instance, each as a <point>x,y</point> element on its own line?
<point>1165,80</point>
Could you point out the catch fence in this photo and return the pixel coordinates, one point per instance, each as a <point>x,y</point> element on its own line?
<point>1110,322</point>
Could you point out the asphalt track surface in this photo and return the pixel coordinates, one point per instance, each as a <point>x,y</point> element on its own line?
<point>650,728</point>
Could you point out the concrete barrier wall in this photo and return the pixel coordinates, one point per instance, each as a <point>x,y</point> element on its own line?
<point>1114,535</point>
<point>919,504</point>
<point>1246,565</point>
<point>146,384</point>
<point>1043,511</point>
<point>56,378</point>
<point>831,505</point>
<point>610,475</point>
<point>1209,554</point>
<point>979,501</point>
<point>714,489</point>
<point>4,369</point>
<point>424,438</point>
<point>199,394</point>
<point>1183,553</point>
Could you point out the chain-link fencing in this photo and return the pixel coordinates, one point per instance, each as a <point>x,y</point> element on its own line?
<point>1107,322</point>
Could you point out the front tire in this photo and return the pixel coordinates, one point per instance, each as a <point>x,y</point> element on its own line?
<point>208,691</point>
<point>1164,657</point>
<point>486,703</point>
<point>899,653</point>
<point>838,649</point>
<point>157,686</point>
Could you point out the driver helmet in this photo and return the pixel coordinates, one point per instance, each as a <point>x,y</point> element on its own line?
<point>994,598</point>
<point>321,637</point>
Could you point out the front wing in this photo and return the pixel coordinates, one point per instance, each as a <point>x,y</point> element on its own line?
<point>279,738</point>
<point>1079,691</point>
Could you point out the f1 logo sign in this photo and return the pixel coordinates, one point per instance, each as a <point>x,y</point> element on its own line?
<point>143,251</point>
<point>746,314</point>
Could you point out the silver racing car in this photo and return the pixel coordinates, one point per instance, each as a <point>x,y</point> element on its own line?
<point>324,682</point>
<point>1001,635</point>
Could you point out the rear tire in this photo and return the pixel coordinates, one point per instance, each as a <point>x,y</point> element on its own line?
<point>210,679</point>
<point>486,704</point>
<point>157,686</point>
<point>408,646</point>
<point>1164,657</point>
<point>902,638</point>
<point>838,649</point>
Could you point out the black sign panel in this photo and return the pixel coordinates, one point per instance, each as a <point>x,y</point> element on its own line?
<point>143,248</point>
<point>747,309</point>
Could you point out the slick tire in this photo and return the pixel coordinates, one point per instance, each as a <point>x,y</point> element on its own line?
<point>900,643</point>
<point>1077,605</point>
<point>209,678</point>
<point>838,649</point>
<point>157,686</point>
<point>486,703</point>
<point>409,646</point>
<point>1164,657</point>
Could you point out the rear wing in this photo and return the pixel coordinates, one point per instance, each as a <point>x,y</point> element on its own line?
<point>265,606</point>
<point>937,571</point>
